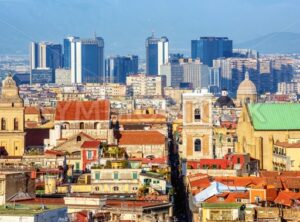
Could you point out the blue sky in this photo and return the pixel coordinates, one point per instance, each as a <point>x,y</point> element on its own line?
<point>125,24</point>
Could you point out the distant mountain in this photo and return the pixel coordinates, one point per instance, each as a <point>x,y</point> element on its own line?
<point>277,42</point>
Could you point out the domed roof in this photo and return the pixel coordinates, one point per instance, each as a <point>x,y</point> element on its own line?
<point>224,101</point>
<point>247,87</point>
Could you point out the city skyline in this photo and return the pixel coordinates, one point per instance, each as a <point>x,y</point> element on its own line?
<point>135,20</point>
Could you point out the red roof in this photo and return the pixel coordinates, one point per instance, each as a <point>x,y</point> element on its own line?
<point>91,144</point>
<point>48,110</point>
<point>287,198</point>
<point>54,152</point>
<point>131,137</point>
<point>158,160</point>
<point>82,110</point>
<point>31,110</point>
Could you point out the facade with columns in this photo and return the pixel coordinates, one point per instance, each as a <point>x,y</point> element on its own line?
<point>197,129</point>
<point>12,135</point>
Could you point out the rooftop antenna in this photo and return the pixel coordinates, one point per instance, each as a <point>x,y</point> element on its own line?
<point>95,35</point>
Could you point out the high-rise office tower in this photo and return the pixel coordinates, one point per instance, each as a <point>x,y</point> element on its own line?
<point>118,67</point>
<point>45,55</point>
<point>209,48</point>
<point>186,70</point>
<point>67,51</point>
<point>87,60</point>
<point>157,54</point>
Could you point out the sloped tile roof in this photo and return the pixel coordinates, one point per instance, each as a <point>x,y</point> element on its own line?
<point>131,137</point>
<point>82,110</point>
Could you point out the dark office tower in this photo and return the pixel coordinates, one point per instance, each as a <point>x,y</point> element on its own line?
<point>45,55</point>
<point>67,51</point>
<point>118,67</point>
<point>209,48</point>
<point>87,60</point>
<point>157,54</point>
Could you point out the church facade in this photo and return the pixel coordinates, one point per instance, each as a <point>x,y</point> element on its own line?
<point>12,134</point>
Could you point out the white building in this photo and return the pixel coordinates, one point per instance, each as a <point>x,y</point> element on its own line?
<point>145,85</point>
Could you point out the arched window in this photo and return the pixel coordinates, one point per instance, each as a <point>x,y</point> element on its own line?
<point>81,125</point>
<point>197,115</point>
<point>16,124</point>
<point>3,124</point>
<point>197,145</point>
<point>96,125</point>
<point>78,139</point>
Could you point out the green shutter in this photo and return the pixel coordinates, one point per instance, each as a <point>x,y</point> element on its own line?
<point>116,175</point>
<point>97,176</point>
<point>134,175</point>
<point>76,166</point>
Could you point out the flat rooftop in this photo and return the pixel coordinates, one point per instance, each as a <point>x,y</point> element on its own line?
<point>26,210</point>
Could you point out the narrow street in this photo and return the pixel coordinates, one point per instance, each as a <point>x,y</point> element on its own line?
<point>180,198</point>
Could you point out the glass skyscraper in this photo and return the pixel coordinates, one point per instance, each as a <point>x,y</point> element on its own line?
<point>118,67</point>
<point>67,51</point>
<point>209,48</point>
<point>45,55</point>
<point>157,54</point>
<point>87,60</point>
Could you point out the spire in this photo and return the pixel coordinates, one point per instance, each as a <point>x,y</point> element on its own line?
<point>247,75</point>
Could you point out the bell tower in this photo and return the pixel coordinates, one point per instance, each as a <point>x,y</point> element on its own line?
<point>12,134</point>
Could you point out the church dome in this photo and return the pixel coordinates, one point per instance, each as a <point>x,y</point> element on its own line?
<point>224,100</point>
<point>247,87</point>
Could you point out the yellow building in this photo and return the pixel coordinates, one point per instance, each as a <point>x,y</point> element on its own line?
<point>286,156</point>
<point>12,135</point>
<point>261,125</point>
<point>197,128</point>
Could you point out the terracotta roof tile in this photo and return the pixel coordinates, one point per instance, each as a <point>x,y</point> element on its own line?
<point>48,110</point>
<point>32,110</point>
<point>91,144</point>
<point>141,138</point>
<point>82,110</point>
<point>287,198</point>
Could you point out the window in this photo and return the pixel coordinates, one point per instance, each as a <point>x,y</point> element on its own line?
<point>81,125</point>
<point>3,124</point>
<point>97,188</point>
<point>76,166</point>
<point>197,115</point>
<point>90,154</point>
<point>116,188</point>
<point>78,139</point>
<point>134,175</point>
<point>257,199</point>
<point>96,125</point>
<point>16,124</point>
<point>197,145</point>
<point>116,175</point>
<point>134,188</point>
<point>97,175</point>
